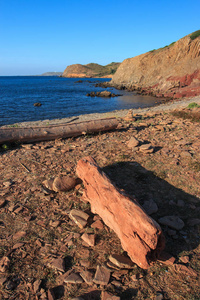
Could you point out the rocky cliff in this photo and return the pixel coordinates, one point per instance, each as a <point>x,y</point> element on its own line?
<point>172,71</point>
<point>90,70</point>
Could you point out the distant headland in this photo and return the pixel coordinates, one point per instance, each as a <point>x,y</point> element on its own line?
<point>91,70</point>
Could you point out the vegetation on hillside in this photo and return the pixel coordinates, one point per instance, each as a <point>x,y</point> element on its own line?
<point>195,34</point>
<point>96,70</point>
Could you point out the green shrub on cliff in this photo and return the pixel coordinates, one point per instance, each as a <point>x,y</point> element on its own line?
<point>195,34</point>
<point>193,105</point>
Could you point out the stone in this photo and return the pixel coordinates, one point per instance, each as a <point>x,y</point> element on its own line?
<point>171,232</point>
<point>8,183</point>
<point>150,207</point>
<point>63,183</point>
<point>51,295</point>
<point>37,104</point>
<point>97,224</point>
<point>120,274</point>
<point>166,258</point>
<point>73,278</point>
<point>186,271</point>
<point>172,221</point>
<point>116,283</point>
<point>2,202</point>
<point>193,222</point>
<point>55,223</point>
<point>105,94</point>
<point>129,116</point>
<point>134,277</point>
<point>180,203</point>
<point>111,266</point>
<point>58,264</point>
<point>19,235</point>
<point>89,238</point>
<point>17,245</point>
<point>159,296</point>
<point>48,184</point>
<point>79,217</point>
<point>85,263</point>
<point>87,277</point>
<point>2,280</point>
<point>102,275</point>
<point>36,285</point>
<point>185,259</point>
<point>4,264</point>
<point>108,296</point>
<point>132,143</point>
<point>121,261</point>
<point>146,148</point>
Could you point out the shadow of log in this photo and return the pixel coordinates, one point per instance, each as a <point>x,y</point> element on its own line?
<point>146,186</point>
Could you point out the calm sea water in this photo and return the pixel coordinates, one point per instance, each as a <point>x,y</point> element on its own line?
<point>60,98</point>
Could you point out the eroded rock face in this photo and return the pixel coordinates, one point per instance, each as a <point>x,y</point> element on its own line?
<point>172,71</point>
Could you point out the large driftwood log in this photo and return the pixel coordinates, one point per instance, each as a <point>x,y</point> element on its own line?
<point>139,234</point>
<point>33,134</point>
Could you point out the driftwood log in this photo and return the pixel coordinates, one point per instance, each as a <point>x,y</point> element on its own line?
<point>35,134</point>
<point>139,234</point>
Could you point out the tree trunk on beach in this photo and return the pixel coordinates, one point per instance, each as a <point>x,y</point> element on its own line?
<point>139,234</point>
<point>35,134</point>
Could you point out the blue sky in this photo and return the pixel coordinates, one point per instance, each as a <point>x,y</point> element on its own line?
<point>40,36</point>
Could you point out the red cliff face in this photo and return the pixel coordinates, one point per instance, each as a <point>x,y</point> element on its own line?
<point>172,71</point>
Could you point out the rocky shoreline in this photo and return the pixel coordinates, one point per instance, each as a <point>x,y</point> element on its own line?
<point>168,106</point>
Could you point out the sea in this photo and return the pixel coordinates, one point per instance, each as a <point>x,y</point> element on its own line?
<point>60,98</point>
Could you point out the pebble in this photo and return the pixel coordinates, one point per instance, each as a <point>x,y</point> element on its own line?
<point>166,258</point>
<point>89,239</point>
<point>121,261</point>
<point>73,278</point>
<point>172,221</point>
<point>150,207</point>
<point>187,271</point>
<point>19,235</point>
<point>79,217</point>
<point>58,264</point>
<point>97,224</point>
<point>36,285</point>
<point>180,203</point>
<point>159,296</point>
<point>4,264</point>
<point>193,222</point>
<point>87,277</point>
<point>51,295</point>
<point>8,183</point>
<point>185,259</point>
<point>63,183</point>
<point>132,143</point>
<point>2,202</point>
<point>102,275</point>
<point>17,245</point>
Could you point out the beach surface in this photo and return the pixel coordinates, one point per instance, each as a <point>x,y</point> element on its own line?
<point>154,157</point>
<point>168,106</point>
